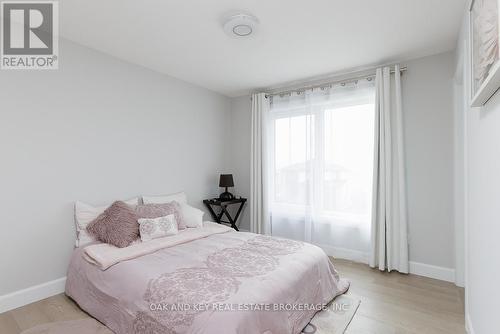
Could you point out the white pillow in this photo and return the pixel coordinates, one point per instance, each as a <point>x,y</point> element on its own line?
<point>152,228</point>
<point>192,216</point>
<point>85,213</point>
<point>179,197</point>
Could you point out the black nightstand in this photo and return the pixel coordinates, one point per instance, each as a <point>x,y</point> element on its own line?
<point>223,204</point>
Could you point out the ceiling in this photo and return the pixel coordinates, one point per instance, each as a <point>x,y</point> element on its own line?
<point>296,39</point>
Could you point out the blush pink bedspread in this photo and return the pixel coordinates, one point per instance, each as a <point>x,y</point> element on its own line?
<point>227,283</point>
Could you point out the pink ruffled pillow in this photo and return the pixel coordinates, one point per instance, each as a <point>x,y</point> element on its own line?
<point>162,210</point>
<point>117,225</point>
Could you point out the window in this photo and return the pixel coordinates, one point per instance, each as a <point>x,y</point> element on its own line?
<point>346,181</point>
<point>321,156</point>
<point>293,157</point>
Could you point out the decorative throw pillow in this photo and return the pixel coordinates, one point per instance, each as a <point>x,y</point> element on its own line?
<point>152,228</point>
<point>162,210</point>
<point>117,225</point>
<point>192,216</point>
<point>85,213</point>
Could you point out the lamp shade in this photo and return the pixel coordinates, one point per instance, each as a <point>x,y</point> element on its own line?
<point>226,180</point>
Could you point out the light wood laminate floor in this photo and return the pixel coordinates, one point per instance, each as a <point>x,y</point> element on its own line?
<point>391,303</point>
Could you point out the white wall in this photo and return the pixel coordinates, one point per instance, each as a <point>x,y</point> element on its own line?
<point>98,129</point>
<point>482,205</point>
<point>241,118</point>
<point>428,122</point>
<point>459,172</point>
<point>428,133</point>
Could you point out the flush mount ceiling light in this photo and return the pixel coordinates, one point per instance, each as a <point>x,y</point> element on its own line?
<point>240,25</point>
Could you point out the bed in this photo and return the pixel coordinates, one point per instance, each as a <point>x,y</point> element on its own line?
<point>204,280</point>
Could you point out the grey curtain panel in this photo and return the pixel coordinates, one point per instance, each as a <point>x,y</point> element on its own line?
<point>389,249</point>
<point>259,217</point>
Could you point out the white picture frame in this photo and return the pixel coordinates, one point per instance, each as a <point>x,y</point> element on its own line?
<point>484,80</point>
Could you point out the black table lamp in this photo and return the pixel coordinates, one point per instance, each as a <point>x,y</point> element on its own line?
<point>225,181</point>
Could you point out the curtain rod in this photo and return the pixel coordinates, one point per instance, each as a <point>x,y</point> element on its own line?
<point>330,83</point>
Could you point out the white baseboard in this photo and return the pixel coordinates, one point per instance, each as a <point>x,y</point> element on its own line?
<point>35,293</point>
<point>45,290</point>
<point>416,268</point>
<point>459,281</point>
<point>427,270</point>
<point>346,254</point>
<point>468,325</point>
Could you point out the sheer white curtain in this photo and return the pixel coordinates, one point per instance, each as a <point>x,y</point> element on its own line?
<point>320,165</point>
<point>389,226</point>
